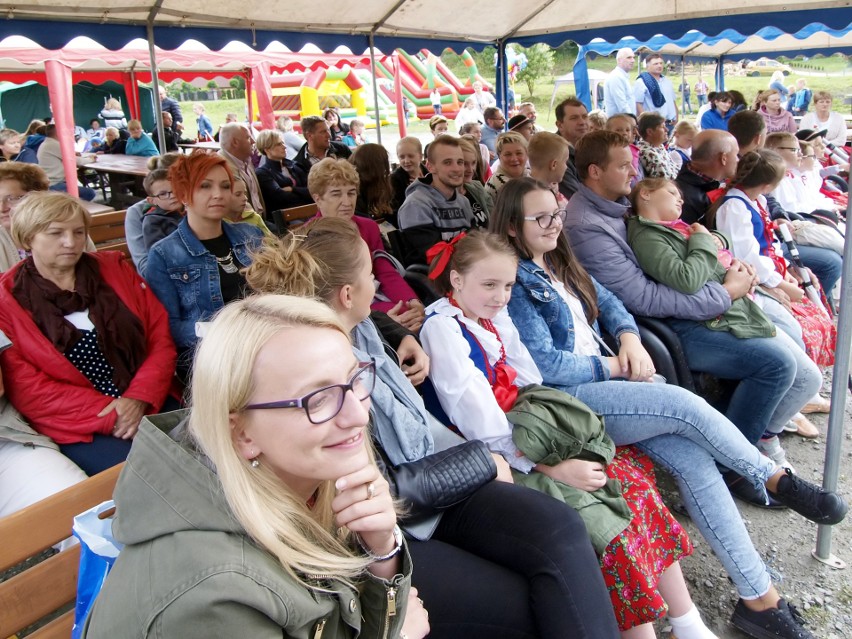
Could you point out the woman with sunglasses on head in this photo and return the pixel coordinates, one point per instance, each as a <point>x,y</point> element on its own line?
<point>195,271</point>
<point>261,516</point>
<point>532,551</point>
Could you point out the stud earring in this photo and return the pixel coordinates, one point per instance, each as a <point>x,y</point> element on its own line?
<point>254,462</point>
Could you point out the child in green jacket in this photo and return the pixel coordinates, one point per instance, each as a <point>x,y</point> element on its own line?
<point>686,256</point>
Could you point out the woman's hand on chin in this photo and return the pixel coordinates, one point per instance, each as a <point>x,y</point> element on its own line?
<point>365,506</point>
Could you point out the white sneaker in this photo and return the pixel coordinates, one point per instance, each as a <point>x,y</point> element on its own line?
<point>772,448</point>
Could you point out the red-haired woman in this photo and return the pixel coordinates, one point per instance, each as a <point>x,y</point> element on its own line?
<point>195,271</point>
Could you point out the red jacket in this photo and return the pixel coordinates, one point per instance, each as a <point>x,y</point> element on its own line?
<point>50,392</point>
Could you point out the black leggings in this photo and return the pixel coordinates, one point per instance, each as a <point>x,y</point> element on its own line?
<point>512,563</point>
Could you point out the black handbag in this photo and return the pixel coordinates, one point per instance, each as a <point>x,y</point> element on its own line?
<point>440,480</point>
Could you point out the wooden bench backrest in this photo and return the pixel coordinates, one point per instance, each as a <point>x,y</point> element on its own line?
<point>300,213</point>
<point>107,227</point>
<point>47,586</point>
<point>286,219</point>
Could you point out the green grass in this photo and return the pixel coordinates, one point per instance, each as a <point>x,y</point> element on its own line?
<point>839,85</point>
<point>215,110</point>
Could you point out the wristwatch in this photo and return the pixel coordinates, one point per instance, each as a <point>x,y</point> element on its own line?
<point>397,539</point>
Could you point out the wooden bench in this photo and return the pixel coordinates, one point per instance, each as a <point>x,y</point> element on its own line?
<point>107,232</point>
<point>50,585</point>
<point>287,219</point>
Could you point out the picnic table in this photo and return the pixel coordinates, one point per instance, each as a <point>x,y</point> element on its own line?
<point>95,208</point>
<point>189,147</point>
<point>124,173</point>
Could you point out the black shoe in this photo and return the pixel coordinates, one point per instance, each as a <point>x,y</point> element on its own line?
<point>744,490</point>
<point>774,623</point>
<point>809,500</point>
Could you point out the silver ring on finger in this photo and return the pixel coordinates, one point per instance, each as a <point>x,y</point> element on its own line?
<point>371,490</point>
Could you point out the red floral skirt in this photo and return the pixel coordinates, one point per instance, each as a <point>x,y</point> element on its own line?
<point>818,331</point>
<point>634,561</point>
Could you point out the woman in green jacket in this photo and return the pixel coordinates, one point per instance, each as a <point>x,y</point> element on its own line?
<point>261,516</point>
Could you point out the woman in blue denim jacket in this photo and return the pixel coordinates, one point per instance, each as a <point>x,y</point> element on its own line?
<point>195,271</point>
<point>558,323</point>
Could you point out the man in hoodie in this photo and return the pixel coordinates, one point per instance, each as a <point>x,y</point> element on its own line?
<point>433,209</point>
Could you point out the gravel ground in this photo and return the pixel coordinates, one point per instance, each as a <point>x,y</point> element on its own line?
<point>785,541</point>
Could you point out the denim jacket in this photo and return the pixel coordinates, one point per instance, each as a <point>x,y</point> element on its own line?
<point>185,276</point>
<point>546,326</point>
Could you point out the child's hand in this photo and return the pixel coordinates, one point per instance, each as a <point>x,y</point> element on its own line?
<point>579,473</point>
<point>698,228</point>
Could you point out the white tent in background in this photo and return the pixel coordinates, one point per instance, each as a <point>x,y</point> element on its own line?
<point>595,78</point>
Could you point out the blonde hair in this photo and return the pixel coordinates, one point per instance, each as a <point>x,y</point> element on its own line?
<point>597,118</point>
<point>509,137</point>
<point>330,171</point>
<point>684,127</point>
<point>317,261</point>
<point>39,210</point>
<point>435,120</point>
<point>302,539</point>
<point>134,124</point>
<point>545,147</point>
<point>113,104</point>
<point>267,139</point>
<point>780,138</point>
<point>468,143</point>
<point>410,140</point>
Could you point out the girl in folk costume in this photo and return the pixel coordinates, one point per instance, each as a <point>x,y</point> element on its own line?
<point>480,370</point>
<point>741,213</point>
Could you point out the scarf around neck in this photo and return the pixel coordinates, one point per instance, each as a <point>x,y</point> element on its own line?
<point>121,336</point>
<point>653,87</point>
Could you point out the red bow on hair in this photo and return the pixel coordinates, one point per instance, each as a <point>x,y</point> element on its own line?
<point>443,251</point>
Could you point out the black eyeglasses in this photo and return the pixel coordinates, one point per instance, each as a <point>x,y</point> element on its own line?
<point>790,148</point>
<point>546,220</point>
<point>325,403</point>
<point>163,195</point>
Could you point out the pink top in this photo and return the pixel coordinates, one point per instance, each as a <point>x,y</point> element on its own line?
<point>391,284</point>
<point>724,256</point>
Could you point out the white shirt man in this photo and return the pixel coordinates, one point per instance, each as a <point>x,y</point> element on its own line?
<point>618,89</point>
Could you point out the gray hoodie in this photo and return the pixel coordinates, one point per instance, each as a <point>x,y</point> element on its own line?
<point>598,237</point>
<point>427,217</point>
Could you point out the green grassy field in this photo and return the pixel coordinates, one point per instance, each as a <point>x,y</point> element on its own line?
<point>839,83</point>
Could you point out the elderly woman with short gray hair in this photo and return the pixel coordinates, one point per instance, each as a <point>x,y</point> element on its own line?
<point>91,351</point>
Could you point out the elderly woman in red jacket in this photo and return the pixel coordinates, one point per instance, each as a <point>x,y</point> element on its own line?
<point>91,348</point>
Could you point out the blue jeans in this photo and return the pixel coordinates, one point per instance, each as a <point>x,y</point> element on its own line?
<point>826,264</point>
<point>684,434</point>
<point>781,317</point>
<point>713,511</point>
<point>634,412</point>
<point>85,192</point>
<point>775,376</point>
